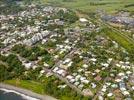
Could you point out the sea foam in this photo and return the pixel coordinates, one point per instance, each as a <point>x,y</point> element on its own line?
<point>22,95</point>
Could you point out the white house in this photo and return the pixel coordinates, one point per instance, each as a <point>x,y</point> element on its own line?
<point>83,20</point>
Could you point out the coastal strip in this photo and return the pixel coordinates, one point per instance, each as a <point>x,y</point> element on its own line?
<point>25,92</point>
<point>26,97</point>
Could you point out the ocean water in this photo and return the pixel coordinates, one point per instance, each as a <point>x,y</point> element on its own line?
<point>13,95</point>
<point>10,96</point>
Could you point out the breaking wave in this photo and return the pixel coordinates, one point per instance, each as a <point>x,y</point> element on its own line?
<point>22,95</point>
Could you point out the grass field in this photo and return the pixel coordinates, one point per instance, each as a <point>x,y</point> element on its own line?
<point>93,5</point>
<point>30,85</point>
<point>120,39</point>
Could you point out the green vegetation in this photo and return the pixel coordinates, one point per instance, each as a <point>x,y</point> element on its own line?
<point>9,6</point>
<point>4,74</point>
<point>13,72</point>
<point>120,39</point>
<point>93,5</point>
<point>27,84</point>
<point>33,80</point>
<point>30,53</point>
<point>10,67</point>
<point>1,45</point>
<point>47,86</point>
<point>70,16</point>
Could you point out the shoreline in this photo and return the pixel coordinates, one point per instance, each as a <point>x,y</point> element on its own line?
<point>18,93</point>
<point>25,92</point>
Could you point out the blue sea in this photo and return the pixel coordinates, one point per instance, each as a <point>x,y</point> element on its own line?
<point>13,95</point>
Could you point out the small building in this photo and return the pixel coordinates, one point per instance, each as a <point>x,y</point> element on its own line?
<point>83,20</point>
<point>98,78</point>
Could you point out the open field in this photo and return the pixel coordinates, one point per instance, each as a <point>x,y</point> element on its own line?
<point>121,39</point>
<point>30,85</point>
<point>92,5</point>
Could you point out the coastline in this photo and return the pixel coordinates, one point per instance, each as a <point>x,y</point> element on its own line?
<point>26,92</point>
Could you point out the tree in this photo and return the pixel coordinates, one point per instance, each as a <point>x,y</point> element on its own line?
<point>15,65</point>
<point>33,57</point>
<point>69,16</point>
<point>4,74</point>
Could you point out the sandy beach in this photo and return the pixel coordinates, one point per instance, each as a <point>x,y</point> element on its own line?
<point>26,92</point>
